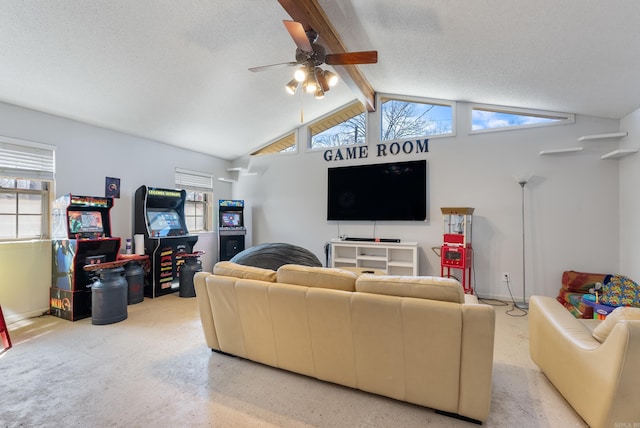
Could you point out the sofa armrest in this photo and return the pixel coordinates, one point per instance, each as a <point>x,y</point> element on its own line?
<point>204,307</point>
<point>476,360</point>
<point>471,299</point>
<point>598,380</point>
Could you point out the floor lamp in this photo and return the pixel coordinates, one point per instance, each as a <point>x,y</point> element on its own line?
<point>524,304</point>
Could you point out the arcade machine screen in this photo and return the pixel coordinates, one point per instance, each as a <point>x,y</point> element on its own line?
<point>164,222</point>
<point>85,223</point>
<point>230,219</point>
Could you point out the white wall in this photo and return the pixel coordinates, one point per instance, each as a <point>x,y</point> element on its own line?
<point>85,155</point>
<point>629,200</point>
<point>575,218</point>
<point>572,203</point>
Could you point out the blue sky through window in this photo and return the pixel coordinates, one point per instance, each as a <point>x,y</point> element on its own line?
<point>484,119</point>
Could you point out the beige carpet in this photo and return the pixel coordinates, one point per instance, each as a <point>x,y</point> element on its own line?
<point>154,369</point>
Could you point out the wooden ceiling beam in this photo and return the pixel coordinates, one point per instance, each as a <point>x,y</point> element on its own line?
<point>311,16</point>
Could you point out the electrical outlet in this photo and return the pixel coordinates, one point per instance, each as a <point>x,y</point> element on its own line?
<point>506,277</point>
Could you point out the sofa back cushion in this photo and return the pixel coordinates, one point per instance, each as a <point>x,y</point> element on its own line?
<point>310,276</point>
<point>226,268</point>
<point>602,331</point>
<point>421,287</point>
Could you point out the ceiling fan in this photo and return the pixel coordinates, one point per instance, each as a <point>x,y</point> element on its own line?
<point>310,56</point>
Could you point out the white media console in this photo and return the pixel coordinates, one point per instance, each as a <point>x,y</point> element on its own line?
<point>394,258</point>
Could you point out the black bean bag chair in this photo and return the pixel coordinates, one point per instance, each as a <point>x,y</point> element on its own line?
<point>274,255</point>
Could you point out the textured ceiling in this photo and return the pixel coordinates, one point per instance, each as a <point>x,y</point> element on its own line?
<point>176,72</point>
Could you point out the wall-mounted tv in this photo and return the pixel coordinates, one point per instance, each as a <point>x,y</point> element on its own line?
<point>389,191</point>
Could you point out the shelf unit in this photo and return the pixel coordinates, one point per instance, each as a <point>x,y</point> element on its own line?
<point>393,258</point>
<point>616,154</point>
<point>620,153</point>
<point>603,136</point>
<point>556,151</point>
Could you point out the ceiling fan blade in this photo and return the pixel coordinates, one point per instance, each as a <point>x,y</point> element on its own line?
<point>299,36</point>
<point>269,67</point>
<point>364,57</point>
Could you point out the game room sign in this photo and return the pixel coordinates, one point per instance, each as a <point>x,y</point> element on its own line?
<point>381,150</point>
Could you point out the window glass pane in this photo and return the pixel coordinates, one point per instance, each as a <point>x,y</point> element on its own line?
<point>407,119</point>
<point>486,119</point>
<point>8,183</point>
<point>29,204</point>
<point>189,209</point>
<point>24,184</point>
<point>191,223</point>
<point>7,226</point>
<point>199,223</point>
<point>286,144</point>
<point>199,210</point>
<point>8,203</point>
<point>29,226</point>
<point>351,131</point>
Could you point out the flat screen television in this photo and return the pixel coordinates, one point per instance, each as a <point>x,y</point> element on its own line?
<point>85,222</point>
<point>164,222</point>
<point>389,191</point>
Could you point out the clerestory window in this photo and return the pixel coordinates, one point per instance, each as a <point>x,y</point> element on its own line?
<point>402,118</point>
<point>492,118</point>
<point>343,127</point>
<point>284,144</point>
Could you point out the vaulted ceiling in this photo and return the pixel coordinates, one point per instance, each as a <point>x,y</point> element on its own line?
<point>177,71</point>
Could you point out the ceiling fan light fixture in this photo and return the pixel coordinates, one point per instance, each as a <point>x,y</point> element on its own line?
<point>319,93</point>
<point>300,75</point>
<point>322,81</point>
<point>310,85</point>
<point>331,77</point>
<point>292,86</point>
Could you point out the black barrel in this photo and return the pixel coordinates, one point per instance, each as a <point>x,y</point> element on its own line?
<point>188,269</point>
<point>134,274</point>
<point>109,297</point>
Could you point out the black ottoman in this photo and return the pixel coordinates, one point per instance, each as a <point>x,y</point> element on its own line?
<point>274,255</point>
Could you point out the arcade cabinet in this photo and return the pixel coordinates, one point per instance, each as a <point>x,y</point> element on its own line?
<point>159,216</point>
<point>81,235</point>
<point>231,228</point>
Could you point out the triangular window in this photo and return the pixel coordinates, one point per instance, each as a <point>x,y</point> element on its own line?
<point>343,127</point>
<point>487,118</point>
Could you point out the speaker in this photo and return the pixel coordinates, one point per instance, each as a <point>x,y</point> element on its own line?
<point>230,245</point>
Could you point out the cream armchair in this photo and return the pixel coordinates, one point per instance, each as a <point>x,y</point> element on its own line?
<point>601,381</point>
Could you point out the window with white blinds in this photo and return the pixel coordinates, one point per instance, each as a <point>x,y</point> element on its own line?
<point>198,211</point>
<point>186,179</point>
<point>26,159</point>
<point>26,181</point>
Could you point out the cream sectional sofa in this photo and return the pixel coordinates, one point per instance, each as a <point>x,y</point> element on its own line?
<point>594,364</point>
<point>416,339</point>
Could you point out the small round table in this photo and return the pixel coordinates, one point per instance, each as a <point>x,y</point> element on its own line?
<point>135,272</point>
<point>108,292</point>
<point>600,311</point>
